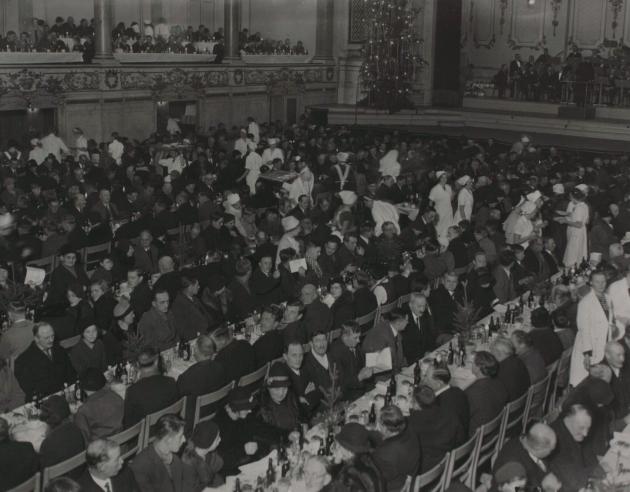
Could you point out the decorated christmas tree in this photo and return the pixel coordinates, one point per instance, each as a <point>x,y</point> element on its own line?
<point>391,54</point>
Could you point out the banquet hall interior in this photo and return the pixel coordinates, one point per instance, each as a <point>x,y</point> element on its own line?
<point>314,245</point>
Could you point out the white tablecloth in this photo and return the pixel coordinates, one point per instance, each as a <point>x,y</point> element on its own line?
<point>39,58</point>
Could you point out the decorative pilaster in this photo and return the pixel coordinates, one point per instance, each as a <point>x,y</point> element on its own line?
<point>232,28</point>
<point>324,30</point>
<point>103,17</point>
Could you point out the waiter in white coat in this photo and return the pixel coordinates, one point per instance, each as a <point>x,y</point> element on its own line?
<point>595,329</point>
<point>619,293</point>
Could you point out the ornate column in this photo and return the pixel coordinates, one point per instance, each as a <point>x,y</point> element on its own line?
<point>324,30</point>
<point>103,16</point>
<point>232,28</point>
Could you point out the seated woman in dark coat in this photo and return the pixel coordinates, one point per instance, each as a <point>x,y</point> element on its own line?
<point>201,455</point>
<point>89,352</point>
<point>343,307</point>
<point>279,406</point>
<point>77,314</point>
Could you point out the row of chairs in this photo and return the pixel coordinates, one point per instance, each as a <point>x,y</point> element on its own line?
<point>139,436</point>
<point>89,257</point>
<point>462,463</point>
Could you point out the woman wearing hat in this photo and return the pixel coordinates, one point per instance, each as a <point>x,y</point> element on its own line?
<point>465,199</point>
<point>576,217</point>
<point>89,352</point>
<point>442,195</point>
<point>201,455</point>
<point>278,404</point>
<point>343,305</point>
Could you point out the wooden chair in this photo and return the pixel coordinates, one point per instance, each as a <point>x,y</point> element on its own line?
<point>461,462</point>
<point>432,480</point>
<point>512,418</point>
<point>68,343</point>
<point>488,445</point>
<point>253,380</point>
<point>402,300</point>
<point>179,408</point>
<point>131,440</point>
<point>48,263</point>
<point>30,485</point>
<point>552,371</point>
<point>385,308</point>
<point>536,398</point>
<point>92,255</point>
<point>63,468</point>
<point>209,399</point>
<point>561,381</point>
<point>367,321</point>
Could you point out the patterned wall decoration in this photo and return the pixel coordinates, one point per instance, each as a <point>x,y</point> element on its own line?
<point>29,82</point>
<point>177,79</point>
<point>262,77</point>
<point>358,23</point>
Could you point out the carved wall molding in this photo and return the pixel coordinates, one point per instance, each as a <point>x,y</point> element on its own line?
<point>28,81</point>
<point>588,24</point>
<point>483,14</point>
<point>527,25</point>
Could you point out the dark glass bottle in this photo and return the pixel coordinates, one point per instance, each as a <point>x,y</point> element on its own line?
<point>372,416</point>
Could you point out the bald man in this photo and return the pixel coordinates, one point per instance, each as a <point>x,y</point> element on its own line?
<point>573,462</point>
<point>531,450</point>
<point>615,357</point>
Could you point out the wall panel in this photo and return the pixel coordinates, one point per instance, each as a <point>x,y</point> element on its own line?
<point>588,28</point>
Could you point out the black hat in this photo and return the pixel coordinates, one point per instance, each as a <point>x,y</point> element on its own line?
<point>354,437</point>
<point>55,410</point>
<point>205,434</point>
<point>66,249</point>
<point>241,399</point>
<point>92,379</point>
<point>278,376</point>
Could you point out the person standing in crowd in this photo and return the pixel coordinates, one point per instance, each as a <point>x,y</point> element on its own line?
<point>441,196</point>
<point>576,218</point>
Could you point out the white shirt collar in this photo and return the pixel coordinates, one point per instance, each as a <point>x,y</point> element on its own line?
<point>102,483</point>
<point>394,331</point>
<point>322,359</point>
<point>442,390</point>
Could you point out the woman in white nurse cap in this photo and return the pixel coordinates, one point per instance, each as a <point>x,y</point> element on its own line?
<point>524,230</point>
<point>465,199</point>
<point>442,195</point>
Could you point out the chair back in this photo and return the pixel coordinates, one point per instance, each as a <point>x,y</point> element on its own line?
<point>513,418</point>
<point>386,308</point>
<point>30,485</point>
<point>130,440</point>
<point>367,321</point>
<point>48,263</point>
<point>461,462</point>
<point>432,480</point>
<point>253,380</point>
<point>68,343</point>
<point>536,399</point>
<point>92,255</point>
<point>402,300</point>
<point>210,400</point>
<point>562,377</point>
<point>63,468</point>
<point>488,445</point>
<point>179,408</point>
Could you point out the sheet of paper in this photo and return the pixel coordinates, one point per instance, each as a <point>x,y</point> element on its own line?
<point>34,276</point>
<point>294,265</point>
<point>381,361</point>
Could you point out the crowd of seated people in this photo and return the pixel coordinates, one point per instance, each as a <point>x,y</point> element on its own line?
<point>521,213</point>
<point>255,44</point>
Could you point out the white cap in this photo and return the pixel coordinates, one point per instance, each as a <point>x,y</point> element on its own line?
<point>464,180</point>
<point>342,156</point>
<point>558,189</point>
<point>583,188</point>
<point>525,139</point>
<point>348,197</point>
<point>528,207</point>
<point>439,174</point>
<point>272,141</point>
<point>35,141</point>
<point>534,196</point>
<point>289,223</point>
<point>233,198</point>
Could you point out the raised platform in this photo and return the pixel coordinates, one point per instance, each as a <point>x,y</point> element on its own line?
<point>493,114</point>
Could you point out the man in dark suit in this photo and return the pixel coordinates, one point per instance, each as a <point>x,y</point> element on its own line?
<point>317,316</point>
<point>535,261</point>
<point>205,376</point>
<point>106,470</point>
<point>317,365</point>
<point>573,462</point>
<point>388,334</point>
<point>43,367</point>
<point>530,450</point>
<point>451,399</point>
<point>270,345</point>
<point>18,460</point>
<point>486,396</point>
<point>504,287</point>
<point>151,392</point>
<point>265,281</point>
<point>304,388</point>
<point>438,430</point>
<point>189,315</point>
<point>66,274</point>
<point>443,302</point>
<point>614,357</point>
<point>237,357</point>
<point>364,299</point>
<point>417,337</point>
<point>548,253</point>
<point>543,337</point>
<point>349,360</point>
<point>399,454</point>
<point>146,254</point>
<point>425,224</point>
<point>512,371</point>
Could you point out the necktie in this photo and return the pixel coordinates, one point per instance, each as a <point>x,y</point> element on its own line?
<point>541,464</point>
<point>107,487</point>
<point>49,354</point>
